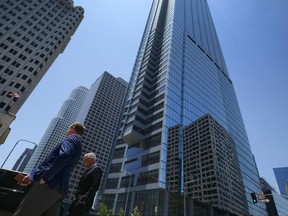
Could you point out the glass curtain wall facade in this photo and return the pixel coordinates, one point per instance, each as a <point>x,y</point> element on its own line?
<point>179,76</point>
<point>278,204</point>
<point>281,175</point>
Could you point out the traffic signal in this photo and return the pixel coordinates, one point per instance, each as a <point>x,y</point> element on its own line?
<point>254,197</point>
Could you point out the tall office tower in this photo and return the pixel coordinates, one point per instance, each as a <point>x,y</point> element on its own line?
<point>100,114</point>
<point>281,175</point>
<point>56,131</point>
<point>23,159</point>
<point>32,34</point>
<point>179,76</point>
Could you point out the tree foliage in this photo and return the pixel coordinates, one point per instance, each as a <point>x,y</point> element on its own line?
<point>104,211</point>
<point>135,211</point>
<point>121,212</point>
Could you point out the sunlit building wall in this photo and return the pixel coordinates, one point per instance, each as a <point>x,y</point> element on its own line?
<point>32,35</point>
<point>100,113</point>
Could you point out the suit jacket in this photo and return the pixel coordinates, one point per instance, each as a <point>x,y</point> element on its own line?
<point>57,166</point>
<point>89,185</point>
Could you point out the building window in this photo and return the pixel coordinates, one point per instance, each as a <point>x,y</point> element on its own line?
<point>2,104</point>
<point>2,81</point>
<point>17,85</point>
<point>6,58</point>
<point>4,46</point>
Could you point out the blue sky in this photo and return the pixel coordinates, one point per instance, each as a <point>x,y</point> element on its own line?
<point>254,39</point>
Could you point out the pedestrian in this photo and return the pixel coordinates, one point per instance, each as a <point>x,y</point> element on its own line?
<point>87,187</point>
<point>50,179</point>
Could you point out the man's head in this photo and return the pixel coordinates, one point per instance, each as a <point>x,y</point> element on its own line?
<point>89,159</point>
<point>76,128</point>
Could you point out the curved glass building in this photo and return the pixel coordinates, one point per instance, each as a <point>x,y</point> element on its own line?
<point>56,131</point>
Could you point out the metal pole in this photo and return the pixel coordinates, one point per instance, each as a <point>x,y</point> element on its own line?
<point>126,202</point>
<point>14,148</point>
<point>185,204</point>
<point>185,210</point>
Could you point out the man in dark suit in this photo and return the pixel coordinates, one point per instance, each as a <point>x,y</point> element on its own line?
<point>51,177</point>
<point>87,187</point>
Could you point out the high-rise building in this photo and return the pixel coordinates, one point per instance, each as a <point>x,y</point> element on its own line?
<point>211,162</point>
<point>32,35</point>
<point>23,160</point>
<point>179,76</point>
<point>211,167</point>
<point>100,114</point>
<point>56,130</point>
<point>281,175</point>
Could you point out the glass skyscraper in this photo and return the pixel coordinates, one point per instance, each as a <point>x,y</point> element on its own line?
<point>179,76</point>
<point>281,174</point>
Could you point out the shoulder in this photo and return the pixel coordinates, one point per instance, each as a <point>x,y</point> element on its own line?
<point>74,138</point>
<point>73,142</point>
<point>97,169</point>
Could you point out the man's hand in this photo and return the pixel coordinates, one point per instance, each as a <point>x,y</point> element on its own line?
<point>25,181</point>
<point>41,181</point>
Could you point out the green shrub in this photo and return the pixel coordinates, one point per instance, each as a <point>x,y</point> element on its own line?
<point>121,212</point>
<point>135,211</point>
<point>104,211</point>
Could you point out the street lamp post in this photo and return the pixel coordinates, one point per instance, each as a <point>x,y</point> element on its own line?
<point>185,186</point>
<point>126,202</point>
<point>185,211</point>
<point>24,140</point>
